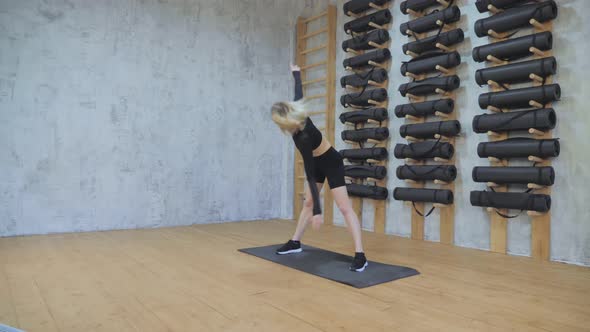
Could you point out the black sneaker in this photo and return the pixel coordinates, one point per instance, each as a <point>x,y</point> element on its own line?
<point>290,247</point>
<point>359,263</point>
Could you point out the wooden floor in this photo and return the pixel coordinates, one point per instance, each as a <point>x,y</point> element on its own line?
<point>193,279</point>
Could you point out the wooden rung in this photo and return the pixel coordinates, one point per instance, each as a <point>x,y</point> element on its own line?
<point>374,6</point>
<point>493,133</point>
<point>317,80</point>
<point>497,35</point>
<point>495,60</point>
<point>440,23</point>
<point>496,160</point>
<point>493,9</point>
<point>414,118</point>
<point>315,33</point>
<point>411,96</point>
<point>315,49</point>
<point>441,137</point>
<point>350,142</point>
<point>535,186</point>
<point>377,103</point>
<point>536,78</point>
<point>535,104</point>
<point>441,160</point>
<point>412,54</point>
<point>313,18</point>
<point>351,14</point>
<point>409,32</point>
<point>443,2</point>
<point>537,132</point>
<point>373,179</point>
<point>353,88</point>
<point>535,213</point>
<point>373,161</point>
<point>536,159</point>
<point>536,24</point>
<point>379,65</point>
<point>441,91</point>
<point>373,121</point>
<point>408,203</point>
<point>492,184</point>
<point>440,206</point>
<point>377,26</point>
<point>381,46</point>
<point>410,160</point>
<point>317,112</point>
<point>489,209</point>
<point>313,65</point>
<point>494,109</point>
<point>413,12</point>
<point>536,51</point>
<point>441,182</point>
<point>441,115</point>
<point>355,52</point>
<point>410,181</point>
<point>443,47</point>
<point>378,85</point>
<point>412,139</point>
<point>373,141</point>
<point>495,84</point>
<point>412,75</point>
<point>317,96</point>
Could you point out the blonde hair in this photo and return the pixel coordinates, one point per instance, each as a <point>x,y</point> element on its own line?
<point>290,116</point>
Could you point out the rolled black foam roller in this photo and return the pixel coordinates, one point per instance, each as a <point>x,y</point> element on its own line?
<point>544,176</point>
<point>520,98</point>
<point>515,48</point>
<point>506,200</point>
<point>365,171</point>
<point>361,42</point>
<point>362,116</point>
<point>361,24</point>
<point>425,108</point>
<point>378,56</point>
<point>541,119</point>
<point>428,86</point>
<point>428,62</point>
<point>516,17</point>
<point>359,6</point>
<point>373,192</point>
<point>424,150</point>
<point>426,44</point>
<point>441,196</point>
<point>428,22</point>
<point>361,135</point>
<point>416,5</point>
<point>362,155</point>
<point>517,72</point>
<point>449,128</point>
<point>519,147</point>
<point>378,75</point>
<point>447,173</point>
<point>362,99</point>
<point>482,5</point>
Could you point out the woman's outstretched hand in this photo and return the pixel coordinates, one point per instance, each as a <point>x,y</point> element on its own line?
<point>295,67</point>
<point>317,221</point>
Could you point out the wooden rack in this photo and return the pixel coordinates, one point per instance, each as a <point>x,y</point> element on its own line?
<point>447,212</point>
<point>328,31</point>
<point>540,222</point>
<point>357,202</point>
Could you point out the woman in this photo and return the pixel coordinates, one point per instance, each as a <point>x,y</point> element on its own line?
<point>321,161</point>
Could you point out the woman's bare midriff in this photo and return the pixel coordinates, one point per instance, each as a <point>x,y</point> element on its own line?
<point>324,146</point>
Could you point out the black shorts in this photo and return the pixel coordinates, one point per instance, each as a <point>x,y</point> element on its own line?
<point>329,165</point>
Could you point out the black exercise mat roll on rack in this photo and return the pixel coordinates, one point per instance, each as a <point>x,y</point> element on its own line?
<point>359,6</point>
<point>416,5</point>
<point>362,155</point>
<point>448,128</point>
<point>377,75</point>
<point>516,17</point>
<point>447,173</point>
<point>427,63</point>
<point>544,176</point>
<point>425,108</point>
<point>429,85</point>
<point>377,56</point>
<point>361,42</point>
<point>362,116</point>
<point>514,48</point>
<point>441,196</point>
<point>361,24</point>
<point>361,135</point>
<point>424,150</point>
<point>541,119</point>
<point>519,147</point>
<point>510,200</point>
<point>365,191</point>
<point>427,44</point>
<point>517,72</point>
<point>429,22</point>
<point>520,98</point>
<point>365,171</point>
<point>362,98</point>
<point>482,5</point>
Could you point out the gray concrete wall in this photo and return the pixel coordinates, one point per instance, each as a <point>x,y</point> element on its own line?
<point>570,229</point>
<point>143,113</point>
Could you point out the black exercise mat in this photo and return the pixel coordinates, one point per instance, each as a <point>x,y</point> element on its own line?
<point>333,266</point>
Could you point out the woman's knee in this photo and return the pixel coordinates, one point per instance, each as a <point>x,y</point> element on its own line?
<point>308,204</point>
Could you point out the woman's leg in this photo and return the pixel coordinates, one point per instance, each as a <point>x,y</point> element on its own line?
<point>343,202</point>
<point>306,213</point>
